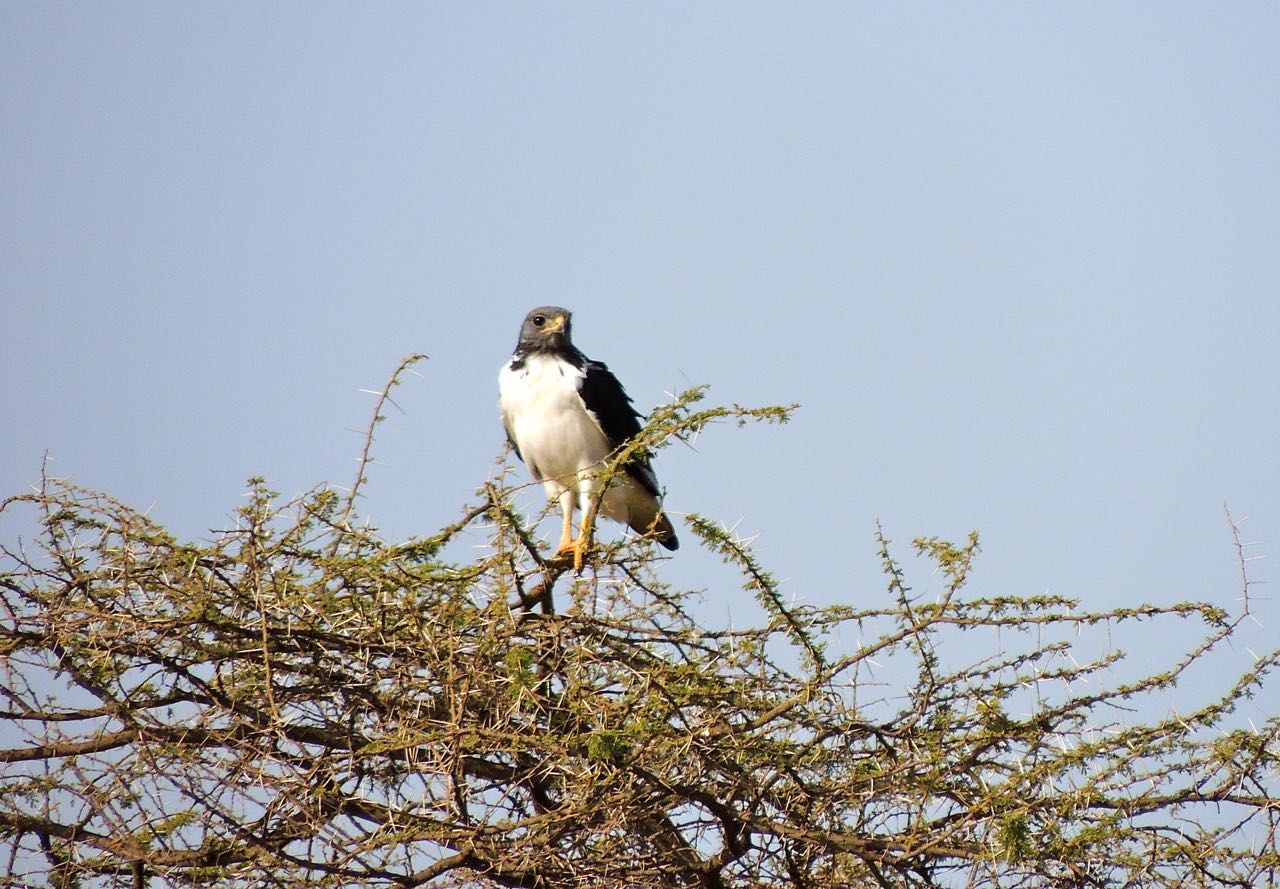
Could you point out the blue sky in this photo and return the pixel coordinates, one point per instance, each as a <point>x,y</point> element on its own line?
<point>1018,263</point>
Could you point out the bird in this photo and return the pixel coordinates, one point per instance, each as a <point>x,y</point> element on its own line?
<point>566,415</point>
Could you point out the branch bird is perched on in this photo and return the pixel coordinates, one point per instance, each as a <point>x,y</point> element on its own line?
<point>565,415</point>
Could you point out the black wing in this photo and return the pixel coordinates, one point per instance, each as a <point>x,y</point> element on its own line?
<point>610,406</point>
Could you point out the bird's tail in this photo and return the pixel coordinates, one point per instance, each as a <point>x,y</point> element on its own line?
<point>663,530</point>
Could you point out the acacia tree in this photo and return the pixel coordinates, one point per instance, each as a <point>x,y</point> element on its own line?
<point>300,703</point>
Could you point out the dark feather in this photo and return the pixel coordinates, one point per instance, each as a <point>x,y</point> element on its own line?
<point>610,406</point>
<point>515,447</point>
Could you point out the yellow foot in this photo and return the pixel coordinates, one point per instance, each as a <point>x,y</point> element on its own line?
<point>575,551</point>
<point>565,553</point>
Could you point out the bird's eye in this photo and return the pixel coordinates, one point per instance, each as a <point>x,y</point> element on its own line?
<point>539,320</point>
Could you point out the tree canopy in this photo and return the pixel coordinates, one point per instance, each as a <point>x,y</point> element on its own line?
<point>298,702</point>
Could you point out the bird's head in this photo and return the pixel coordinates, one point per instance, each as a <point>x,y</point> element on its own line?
<point>545,329</point>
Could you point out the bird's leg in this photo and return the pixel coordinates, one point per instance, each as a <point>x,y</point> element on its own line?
<point>567,501</point>
<point>585,532</point>
<point>591,496</point>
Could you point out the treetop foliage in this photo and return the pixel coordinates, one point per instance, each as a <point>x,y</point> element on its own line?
<point>297,702</point>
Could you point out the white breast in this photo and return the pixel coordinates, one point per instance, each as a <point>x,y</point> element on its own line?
<point>544,415</point>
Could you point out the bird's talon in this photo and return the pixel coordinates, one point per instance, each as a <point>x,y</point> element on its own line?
<point>572,554</point>
<point>562,556</point>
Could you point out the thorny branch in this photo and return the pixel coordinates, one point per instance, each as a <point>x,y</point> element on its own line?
<point>297,703</point>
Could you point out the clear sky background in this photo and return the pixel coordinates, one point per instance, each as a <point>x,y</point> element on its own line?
<point>1020,264</point>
